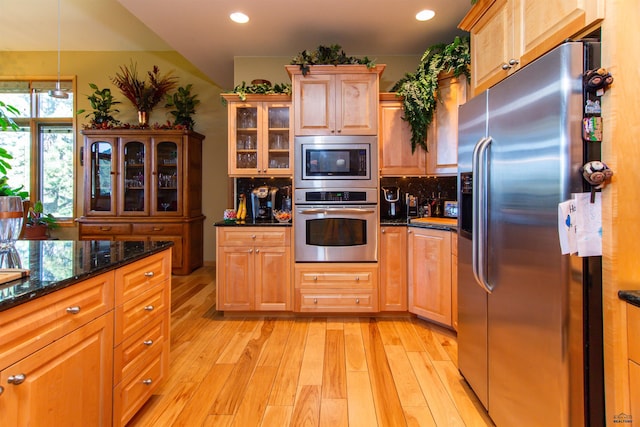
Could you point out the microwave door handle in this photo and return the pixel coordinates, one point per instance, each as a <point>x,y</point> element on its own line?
<point>349,211</point>
<point>479,212</point>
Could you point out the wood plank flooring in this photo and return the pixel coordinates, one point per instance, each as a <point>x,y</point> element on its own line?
<point>309,371</point>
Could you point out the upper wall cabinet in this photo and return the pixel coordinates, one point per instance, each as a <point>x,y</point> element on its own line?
<point>260,135</point>
<point>335,100</point>
<point>508,34</point>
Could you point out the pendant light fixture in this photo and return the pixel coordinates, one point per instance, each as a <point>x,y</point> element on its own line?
<point>58,93</point>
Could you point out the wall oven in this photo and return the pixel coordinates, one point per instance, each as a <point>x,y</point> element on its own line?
<point>336,226</point>
<point>342,162</point>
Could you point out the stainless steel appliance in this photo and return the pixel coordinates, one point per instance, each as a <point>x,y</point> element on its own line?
<point>529,318</point>
<point>336,226</point>
<point>263,202</point>
<point>391,203</point>
<point>341,162</point>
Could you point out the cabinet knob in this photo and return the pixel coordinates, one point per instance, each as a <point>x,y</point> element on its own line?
<point>73,310</point>
<point>149,274</point>
<point>357,278</point>
<point>382,231</point>
<point>147,342</point>
<point>408,231</point>
<point>357,300</point>
<point>1,390</point>
<point>513,62</point>
<point>147,381</point>
<point>257,250</point>
<point>505,66</point>
<point>315,300</point>
<point>315,278</point>
<point>16,379</point>
<point>105,228</point>
<point>250,251</point>
<point>149,308</point>
<point>253,236</point>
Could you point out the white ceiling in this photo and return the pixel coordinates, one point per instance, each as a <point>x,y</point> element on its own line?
<point>201,31</point>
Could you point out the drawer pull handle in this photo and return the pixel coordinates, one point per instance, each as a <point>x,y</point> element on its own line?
<point>357,300</point>
<point>147,342</point>
<point>149,274</point>
<point>1,390</point>
<point>105,228</point>
<point>149,308</point>
<point>147,381</point>
<point>73,310</point>
<point>315,300</point>
<point>16,379</point>
<point>157,228</point>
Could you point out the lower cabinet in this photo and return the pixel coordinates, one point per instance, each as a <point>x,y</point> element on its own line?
<point>254,268</point>
<point>393,268</point>
<point>429,277</point>
<point>336,287</point>
<point>633,338</point>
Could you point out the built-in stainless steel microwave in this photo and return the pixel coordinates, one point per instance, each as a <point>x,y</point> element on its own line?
<point>336,161</point>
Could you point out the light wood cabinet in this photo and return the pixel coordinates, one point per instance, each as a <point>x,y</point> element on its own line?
<point>253,268</point>
<point>336,288</point>
<point>395,157</point>
<point>46,344</point>
<point>260,136</point>
<point>508,34</point>
<point>442,134</point>
<point>633,339</point>
<point>332,100</point>
<point>145,185</point>
<point>429,277</point>
<point>393,268</point>
<point>454,281</point>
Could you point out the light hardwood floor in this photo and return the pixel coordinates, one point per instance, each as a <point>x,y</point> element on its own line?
<point>284,371</point>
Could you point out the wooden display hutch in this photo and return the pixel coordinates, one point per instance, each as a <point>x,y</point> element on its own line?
<point>145,185</point>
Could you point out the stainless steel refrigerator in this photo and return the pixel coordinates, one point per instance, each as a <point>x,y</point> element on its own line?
<point>528,315</point>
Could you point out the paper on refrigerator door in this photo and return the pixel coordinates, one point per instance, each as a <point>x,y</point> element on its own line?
<point>567,226</point>
<point>589,224</point>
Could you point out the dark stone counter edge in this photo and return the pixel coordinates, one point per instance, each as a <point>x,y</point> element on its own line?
<point>72,280</point>
<point>383,223</point>
<point>632,297</point>
<point>271,223</point>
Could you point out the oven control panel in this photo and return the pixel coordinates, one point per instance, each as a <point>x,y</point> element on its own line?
<point>316,196</point>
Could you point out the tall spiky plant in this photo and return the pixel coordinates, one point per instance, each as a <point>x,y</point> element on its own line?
<point>142,94</point>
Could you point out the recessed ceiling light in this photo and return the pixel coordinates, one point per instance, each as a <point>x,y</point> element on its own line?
<point>239,17</point>
<point>425,15</point>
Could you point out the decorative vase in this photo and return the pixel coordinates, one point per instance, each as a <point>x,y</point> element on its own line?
<point>143,117</point>
<point>11,216</point>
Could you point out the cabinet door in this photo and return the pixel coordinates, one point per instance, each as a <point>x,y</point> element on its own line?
<point>430,274</point>
<point>314,98</point>
<point>244,119</point>
<point>393,269</point>
<point>133,177</point>
<point>68,380</point>
<point>356,106</point>
<point>235,278</point>
<point>442,136</point>
<point>272,278</point>
<point>101,160</point>
<point>277,139</point>
<point>396,158</point>
<point>166,183</point>
<point>634,388</point>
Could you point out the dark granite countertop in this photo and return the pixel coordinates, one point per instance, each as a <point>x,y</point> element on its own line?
<point>56,264</point>
<point>632,297</point>
<point>435,223</point>
<point>258,223</point>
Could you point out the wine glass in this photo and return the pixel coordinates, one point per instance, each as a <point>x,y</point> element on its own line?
<point>164,205</point>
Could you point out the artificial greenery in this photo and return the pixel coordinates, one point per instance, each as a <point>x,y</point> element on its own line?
<point>244,89</point>
<point>327,55</point>
<point>102,102</point>
<point>420,89</point>
<point>184,105</point>
<point>142,94</point>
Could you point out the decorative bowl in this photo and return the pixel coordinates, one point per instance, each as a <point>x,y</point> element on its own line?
<point>282,216</point>
<point>229,216</point>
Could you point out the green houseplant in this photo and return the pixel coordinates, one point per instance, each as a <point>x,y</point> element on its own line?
<point>102,102</point>
<point>327,55</point>
<point>262,88</point>
<point>38,223</point>
<point>184,106</point>
<point>420,89</point>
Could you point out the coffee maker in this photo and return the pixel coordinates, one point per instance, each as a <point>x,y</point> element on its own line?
<point>263,202</point>
<point>391,206</point>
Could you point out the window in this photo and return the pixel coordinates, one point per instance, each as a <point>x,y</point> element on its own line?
<point>43,147</point>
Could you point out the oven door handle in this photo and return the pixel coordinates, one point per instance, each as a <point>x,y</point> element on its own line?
<point>347,211</point>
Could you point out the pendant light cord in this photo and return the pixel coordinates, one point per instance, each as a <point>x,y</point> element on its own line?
<point>59,44</point>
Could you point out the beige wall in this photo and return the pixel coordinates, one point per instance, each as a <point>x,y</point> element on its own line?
<point>98,67</point>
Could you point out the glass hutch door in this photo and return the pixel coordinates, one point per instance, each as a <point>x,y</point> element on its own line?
<point>168,179</point>
<point>134,199</point>
<point>101,180</point>
<point>278,139</point>
<point>246,127</point>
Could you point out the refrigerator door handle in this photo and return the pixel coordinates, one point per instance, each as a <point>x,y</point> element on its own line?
<point>479,212</point>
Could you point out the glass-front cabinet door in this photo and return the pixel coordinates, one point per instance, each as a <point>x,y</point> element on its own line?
<point>167,175</point>
<point>245,133</point>
<point>134,178</point>
<point>101,169</point>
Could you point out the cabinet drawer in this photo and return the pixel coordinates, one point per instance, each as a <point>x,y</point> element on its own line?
<point>337,301</point>
<point>107,229</point>
<point>135,278</point>
<point>633,332</point>
<point>32,325</point>
<point>133,392</point>
<point>134,352</point>
<point>253,236</point>
<point>365,278</point>
<point>139,311</point>
<point>152,229</point>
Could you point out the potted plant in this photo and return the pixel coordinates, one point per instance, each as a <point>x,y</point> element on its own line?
<point>327,55</point>
<point>142,94</point>
<point>184,106</point>
<point>38,223</point>
<point>102,102</point>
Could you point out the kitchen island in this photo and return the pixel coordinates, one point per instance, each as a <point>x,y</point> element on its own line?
<point>90,322</point>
